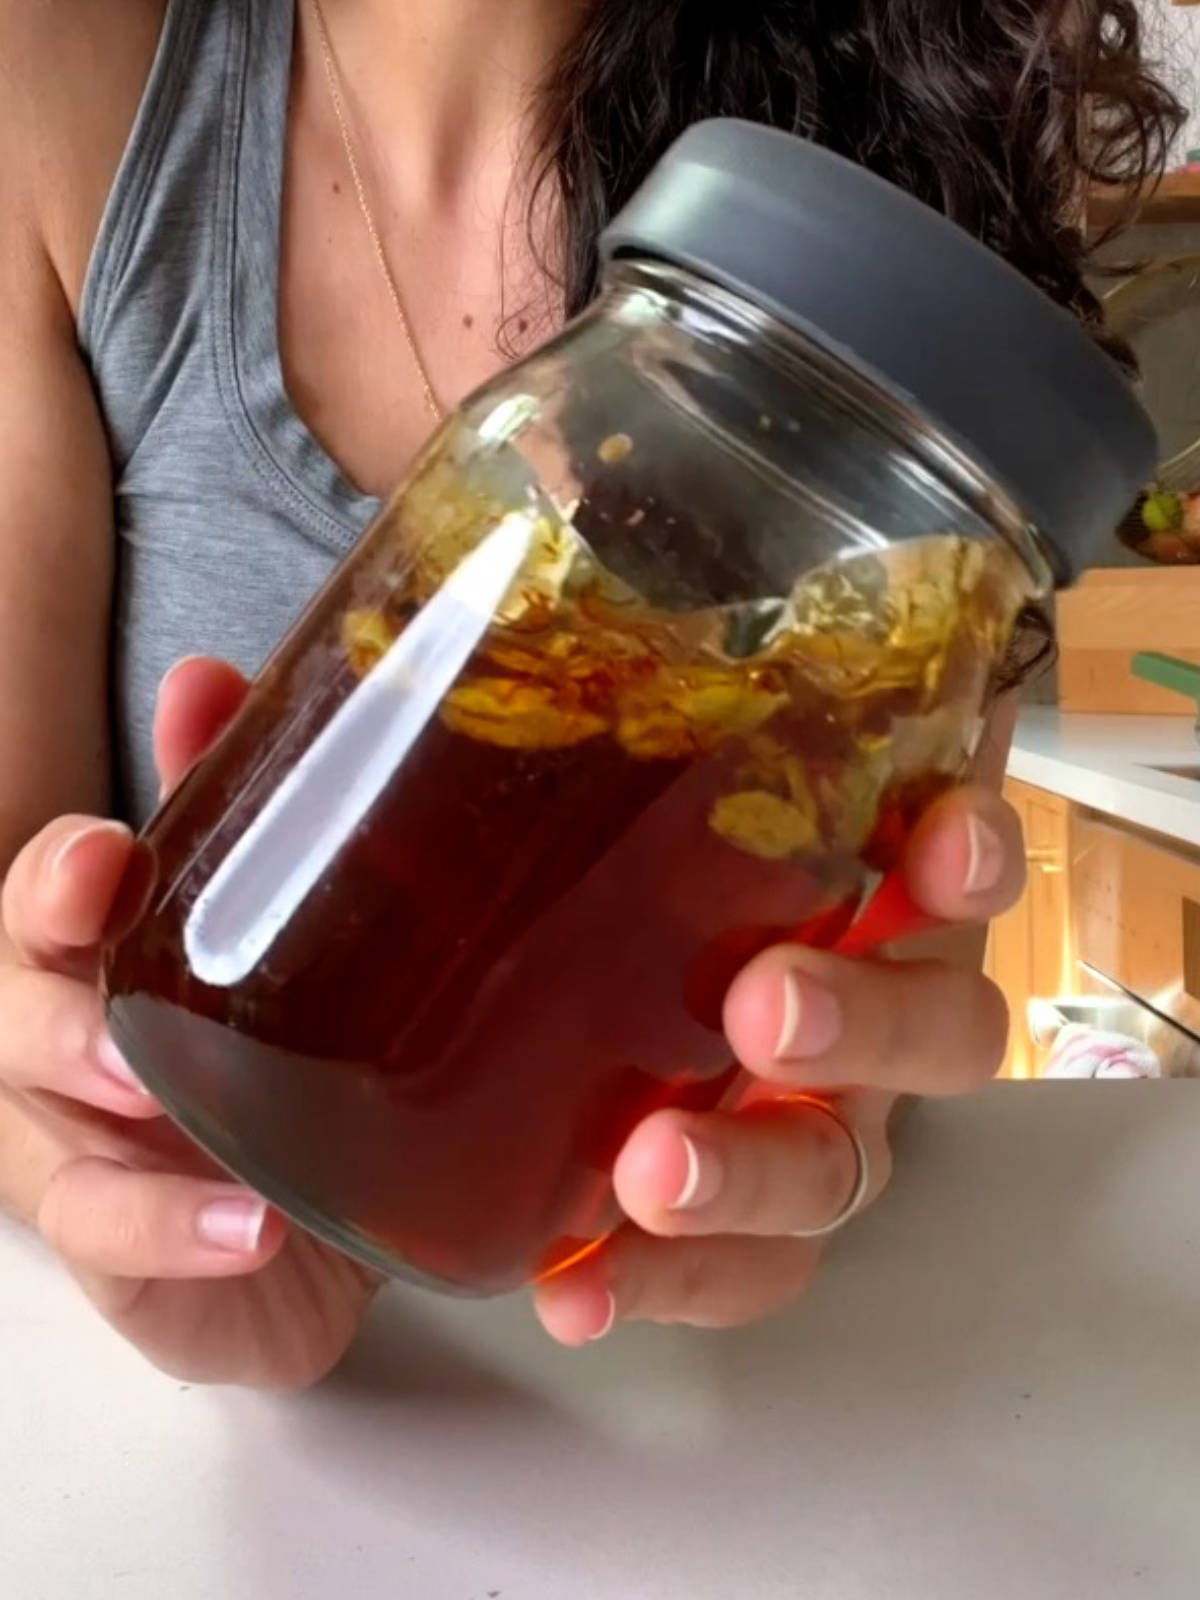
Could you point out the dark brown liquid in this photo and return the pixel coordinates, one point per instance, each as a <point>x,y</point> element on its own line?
<point>522,953</point>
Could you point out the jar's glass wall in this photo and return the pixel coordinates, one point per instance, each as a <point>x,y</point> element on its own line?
<point>770,444</point>
<point>654,661</point>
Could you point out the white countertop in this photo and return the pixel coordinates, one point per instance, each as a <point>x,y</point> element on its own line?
<point>992,1392</point>
<point>1109,763</point>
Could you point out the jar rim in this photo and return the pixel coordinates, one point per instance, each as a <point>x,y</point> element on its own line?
<point>878,403</point>
<point>871,272</point>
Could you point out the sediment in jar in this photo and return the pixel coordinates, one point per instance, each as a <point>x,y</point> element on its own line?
<point>857,688</point>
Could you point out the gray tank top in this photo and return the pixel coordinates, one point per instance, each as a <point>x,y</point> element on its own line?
<point>228,512</point>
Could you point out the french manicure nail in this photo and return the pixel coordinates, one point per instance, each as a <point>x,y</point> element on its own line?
<point>703,1181</point>
<point>94,830</point>
<point>812,1019</point>
<point>114,1065</point>
<point>235,1224</point>
<point>609,1322</point>
<point>985,858</point>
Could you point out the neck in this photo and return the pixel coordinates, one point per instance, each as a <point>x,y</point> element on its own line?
<point>447,85</point>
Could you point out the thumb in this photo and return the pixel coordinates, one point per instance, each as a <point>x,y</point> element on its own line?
<point>196,700</point>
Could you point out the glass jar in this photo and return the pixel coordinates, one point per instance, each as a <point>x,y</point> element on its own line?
<point>671,635</point>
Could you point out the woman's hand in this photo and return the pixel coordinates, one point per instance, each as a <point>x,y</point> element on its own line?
<point>717,1204</point>
<point>192,1269</point>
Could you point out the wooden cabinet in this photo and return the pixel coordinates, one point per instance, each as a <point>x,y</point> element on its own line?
<point>1105,905</point>
<point>1135,914</point>
<point>1030,948</point>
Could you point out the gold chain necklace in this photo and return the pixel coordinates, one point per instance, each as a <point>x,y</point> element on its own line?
<point>364,205</point>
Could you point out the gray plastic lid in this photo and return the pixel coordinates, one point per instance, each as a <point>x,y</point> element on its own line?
<point>916,304</point>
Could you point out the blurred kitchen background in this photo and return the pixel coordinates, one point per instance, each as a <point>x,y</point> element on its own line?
<point>1101,960</point>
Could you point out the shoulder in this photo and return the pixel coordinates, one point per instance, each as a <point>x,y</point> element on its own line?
<point>72,74</point>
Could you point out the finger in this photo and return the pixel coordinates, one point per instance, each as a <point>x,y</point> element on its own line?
<point>54,1039</point>
<point>706,1283</point>
<point>60,890</point>
<point>776,1169</point>
<point>803,1018</point>
<point>196,700</point>
<point>965,861</point>
<point>103,1218</point>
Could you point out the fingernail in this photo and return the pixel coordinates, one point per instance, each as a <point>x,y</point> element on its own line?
<point>704,1178</point>
<point>812,1019</point>
<point>985,859</point>
<point>235,1224</point>
<point>94,830</point>
<point>610,1320</point>
<point>183,661</point>
<point>114,1065</point>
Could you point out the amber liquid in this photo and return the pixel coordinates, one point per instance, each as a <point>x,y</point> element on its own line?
<point>525,947</point>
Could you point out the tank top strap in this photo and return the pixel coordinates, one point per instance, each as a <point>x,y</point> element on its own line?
<point>136,204</point>
<point>179,318</point>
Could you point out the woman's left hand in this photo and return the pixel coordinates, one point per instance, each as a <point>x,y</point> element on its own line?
<point>723,1207</point>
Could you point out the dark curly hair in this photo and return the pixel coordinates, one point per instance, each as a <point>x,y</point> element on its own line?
<point>999,113</point>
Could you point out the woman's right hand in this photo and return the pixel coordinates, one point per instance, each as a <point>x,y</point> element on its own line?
<point>191,1268</point>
